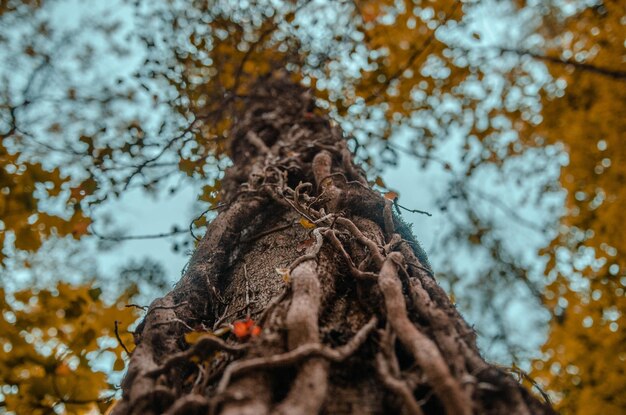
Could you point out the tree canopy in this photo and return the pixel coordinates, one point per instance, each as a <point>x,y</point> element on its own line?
<point>518,104</point>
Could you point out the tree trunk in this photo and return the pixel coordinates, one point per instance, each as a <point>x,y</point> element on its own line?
<point>352,320</point>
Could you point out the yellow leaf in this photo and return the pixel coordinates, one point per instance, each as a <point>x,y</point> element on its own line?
<point>119,364</point>
<point>284,273</point>
<point>195,336</point>
<point>307,224</point>
<point>187,166</point>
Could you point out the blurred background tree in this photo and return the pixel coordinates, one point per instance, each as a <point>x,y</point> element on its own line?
<point>513,109</point>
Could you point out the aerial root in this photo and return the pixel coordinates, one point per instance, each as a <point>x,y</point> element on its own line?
<point>388,219</point>
<point>257,142</point>
<point>397,386</point>
<point>322,166</point>
<point>201,348</point>
<point>447,338</point>
<point>337,355</point>
<point>426,352</point>
<point>388,370</point>
<point>189,405</point>
<point>356,273</point>
<point>157,396</point>
<point>311,254</point>
<point>308,389</point>
<point>322,172</point>
<point>375,251</point>
<point>346,161</point>
<point>423,350</point>
<point>248,395</point>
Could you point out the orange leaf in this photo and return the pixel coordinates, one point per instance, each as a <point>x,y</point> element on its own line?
<point>370,12</point>
<point>241,329</point>
<point>245,328</point>
<point>391,195</point>
<point>63,370</point>
<point>80,228</point>
<point>194,336</point>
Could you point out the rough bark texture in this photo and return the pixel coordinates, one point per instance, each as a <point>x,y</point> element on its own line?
<point>357,326</point>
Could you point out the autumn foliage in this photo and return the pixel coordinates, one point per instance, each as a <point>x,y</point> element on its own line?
<point>68,147</point>
<point>54,343</point>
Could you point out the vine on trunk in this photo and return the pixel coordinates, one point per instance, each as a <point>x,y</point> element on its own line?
<point>355,312</point>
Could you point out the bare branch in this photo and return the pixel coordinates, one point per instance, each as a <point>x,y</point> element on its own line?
<point>119,339</point>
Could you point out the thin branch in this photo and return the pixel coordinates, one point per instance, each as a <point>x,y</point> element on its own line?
<point>147,162</point>
<point>526,376</point>
<point>136,237</point>
<point>505,208</point>
<point>119,339</point>
<point>423,212</point>
<point>611,73</point>
<point>141,307</point>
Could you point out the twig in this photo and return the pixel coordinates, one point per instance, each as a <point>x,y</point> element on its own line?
<point>167,146</point>
<point>119,339</point>
<point>423,212</point>
<point>533,382</point>
<point>225,316</point>
<point>245,277</point>
<point>168,307</point>
<point>611,73</point>
<point>133,237</point>
<point>141,307</point>
<point>201,348</point>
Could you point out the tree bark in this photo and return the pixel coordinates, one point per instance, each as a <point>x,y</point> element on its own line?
<point>352,321</point>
